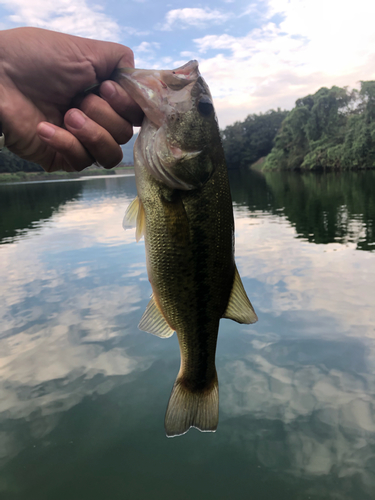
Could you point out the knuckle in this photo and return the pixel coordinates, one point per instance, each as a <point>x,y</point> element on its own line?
<point>97,138</point>
<point>130,54</point>
<point>69,144</point>
<point>89,105</point>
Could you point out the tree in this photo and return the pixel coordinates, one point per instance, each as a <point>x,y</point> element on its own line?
<point>245,142</point>
<point>331,129</point>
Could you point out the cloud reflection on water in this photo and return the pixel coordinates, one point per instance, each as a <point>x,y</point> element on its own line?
<point>304,419</point>
<point>309,364</point>
<point>63,319</point>
<point>296,389</point>
<point>331,279</point>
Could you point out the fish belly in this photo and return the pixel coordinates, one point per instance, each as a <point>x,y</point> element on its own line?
<point>190,263</point>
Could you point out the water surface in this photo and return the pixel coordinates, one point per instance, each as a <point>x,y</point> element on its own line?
<point>83,392</point>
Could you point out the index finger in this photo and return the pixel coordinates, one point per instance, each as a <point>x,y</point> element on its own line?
<point>121,102</point>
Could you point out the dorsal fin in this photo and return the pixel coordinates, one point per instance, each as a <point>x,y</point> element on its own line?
<point>135,217</point>
<point>239,307</point>
<point>154,322</point>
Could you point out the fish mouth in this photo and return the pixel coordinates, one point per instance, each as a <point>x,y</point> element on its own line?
<point>155,90</point>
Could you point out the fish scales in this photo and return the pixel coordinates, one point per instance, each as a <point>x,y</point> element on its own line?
<point>185,211</point>
<point>189,265</point>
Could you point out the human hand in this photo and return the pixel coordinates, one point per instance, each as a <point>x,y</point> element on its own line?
<point>43,75</point>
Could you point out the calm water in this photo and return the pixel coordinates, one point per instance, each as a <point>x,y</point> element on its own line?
<point>83,392</point>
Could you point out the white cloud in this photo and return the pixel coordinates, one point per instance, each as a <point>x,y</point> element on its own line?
<point>317,44</point>
<point>76,17</point>
<point>188,54</point>
<point>130,30</point>
<point>182,18</point>
<point>147,47</point>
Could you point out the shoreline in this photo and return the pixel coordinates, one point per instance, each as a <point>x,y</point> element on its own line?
<point>20,177</point>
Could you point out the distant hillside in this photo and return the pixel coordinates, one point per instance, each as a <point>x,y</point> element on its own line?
<point>10,163</point>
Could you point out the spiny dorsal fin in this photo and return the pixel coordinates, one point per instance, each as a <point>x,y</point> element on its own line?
<point>154,322</point>
<point>135,217</point>
<point>239,307</point>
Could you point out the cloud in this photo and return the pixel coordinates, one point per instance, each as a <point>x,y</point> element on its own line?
<point>75,17</point>
<point>183,18</point>
<point>274,64</point>
<point>147,47</point>
<point>130,30</point>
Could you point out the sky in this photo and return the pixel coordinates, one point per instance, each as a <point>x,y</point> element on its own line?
<point>254,55</point>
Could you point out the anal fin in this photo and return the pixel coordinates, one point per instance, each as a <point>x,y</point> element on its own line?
<point>154,322</point>
<point>239,307</point>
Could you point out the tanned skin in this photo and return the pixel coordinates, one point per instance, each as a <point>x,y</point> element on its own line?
<point>45,116</point>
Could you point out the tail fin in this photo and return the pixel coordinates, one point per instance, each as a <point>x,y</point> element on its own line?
<point>187,409</point>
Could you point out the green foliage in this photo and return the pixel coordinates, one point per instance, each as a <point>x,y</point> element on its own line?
<point>331,129</point>
<point>245,142</point>
<point>11,163</point>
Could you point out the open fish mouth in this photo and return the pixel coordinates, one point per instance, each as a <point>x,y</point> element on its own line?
<point>158,92</point>
<point>170,100</point>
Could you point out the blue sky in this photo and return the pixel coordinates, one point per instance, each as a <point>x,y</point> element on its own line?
<point>255,55</point>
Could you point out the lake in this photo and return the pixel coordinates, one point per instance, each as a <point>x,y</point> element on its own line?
<point>83,392</point>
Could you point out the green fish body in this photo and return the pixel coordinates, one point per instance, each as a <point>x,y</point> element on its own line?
<point>184,210</point>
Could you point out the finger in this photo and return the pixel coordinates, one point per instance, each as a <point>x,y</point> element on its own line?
<point>121,102</point>
<point>107,56</point>
<point>97,140</point>
<point>71,155</point>
<point>98,110</point>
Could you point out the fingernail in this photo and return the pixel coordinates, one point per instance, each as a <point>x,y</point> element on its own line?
<point>107,90</point>
<point>45,130</point>
<point>75,119</point>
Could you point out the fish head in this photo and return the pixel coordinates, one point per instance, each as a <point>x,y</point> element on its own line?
<point>180,128</point>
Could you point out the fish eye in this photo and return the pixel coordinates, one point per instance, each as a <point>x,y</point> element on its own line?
<point>205,106</point>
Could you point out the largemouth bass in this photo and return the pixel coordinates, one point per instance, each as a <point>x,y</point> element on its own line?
<point>184,210</point>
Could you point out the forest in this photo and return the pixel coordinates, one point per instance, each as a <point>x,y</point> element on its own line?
<point>10,163</point>
<point>331,129</point>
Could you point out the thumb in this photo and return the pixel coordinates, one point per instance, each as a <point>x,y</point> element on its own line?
<point>107,56</point>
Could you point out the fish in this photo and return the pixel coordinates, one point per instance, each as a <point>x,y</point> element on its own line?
<point>184,211</point>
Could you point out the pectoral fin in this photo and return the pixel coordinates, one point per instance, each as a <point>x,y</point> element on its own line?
<point>239,307</point>
<point>135,217</point>
<point>154,322</point>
